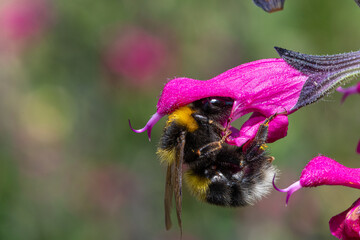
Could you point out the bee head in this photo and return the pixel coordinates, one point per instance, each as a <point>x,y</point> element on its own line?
<point>216,108</point>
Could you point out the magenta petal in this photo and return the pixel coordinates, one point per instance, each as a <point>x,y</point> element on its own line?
<point>266,86</point>
<point>149,125</point>
<point>248,129</point>
<point>277,129</point>
<point>322,170</point>
<point>325,171</point>
<point>346,225</point>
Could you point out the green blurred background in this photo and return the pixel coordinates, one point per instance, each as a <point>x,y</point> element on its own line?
<point>74,71</point>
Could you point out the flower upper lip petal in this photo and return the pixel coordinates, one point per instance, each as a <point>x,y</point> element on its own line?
<point>265,86</point>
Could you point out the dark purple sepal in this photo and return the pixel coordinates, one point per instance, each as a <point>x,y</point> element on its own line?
<point>357,2</point>
<point>325,72</point>
<point>270,5</point>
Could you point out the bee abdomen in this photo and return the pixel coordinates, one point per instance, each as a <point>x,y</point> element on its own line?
<point>219,194</point>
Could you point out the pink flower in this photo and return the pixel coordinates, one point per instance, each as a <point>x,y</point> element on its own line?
<point>263,87</point>
<point>346,225</point>
<point>324,171</point>
<point>270,5</point>
<point>136,55</point>
<point>23,20</point>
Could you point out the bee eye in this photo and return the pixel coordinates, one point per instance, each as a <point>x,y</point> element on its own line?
<point>216,104</point>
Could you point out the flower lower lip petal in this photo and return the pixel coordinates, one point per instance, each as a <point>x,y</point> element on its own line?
<point>289,190</point>
<point>149,125</point>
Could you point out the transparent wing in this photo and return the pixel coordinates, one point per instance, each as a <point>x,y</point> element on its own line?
<point>178,177</point>
<point>169,189</point>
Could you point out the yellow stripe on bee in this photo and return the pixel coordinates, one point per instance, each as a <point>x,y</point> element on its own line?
<point>183,117</point>
<point>166,155</point>
<point>198,185</point>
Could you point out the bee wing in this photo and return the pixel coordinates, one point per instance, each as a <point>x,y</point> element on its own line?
<point>178,177</point>
<point>173,185</point>
<point>169,189</point>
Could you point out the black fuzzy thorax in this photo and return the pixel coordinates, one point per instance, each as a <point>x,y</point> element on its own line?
<point>205,133</point>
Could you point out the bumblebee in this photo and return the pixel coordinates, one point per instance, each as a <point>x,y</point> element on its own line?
<point>216,172</point>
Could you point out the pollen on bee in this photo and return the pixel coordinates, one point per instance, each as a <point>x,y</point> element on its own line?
<point>263,147</point>
<point>166,155</point>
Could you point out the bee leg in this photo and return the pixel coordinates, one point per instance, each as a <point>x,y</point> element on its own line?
<point>225,130</point>
<point>209,148</point>
<point>218,125</point>
<point>270,159</point>
<point>226,134</point>
<point>212,147</point>
<point>258,145</point>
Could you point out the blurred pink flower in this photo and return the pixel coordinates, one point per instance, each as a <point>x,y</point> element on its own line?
<point>136,55</point>
<point>23,20</point>
<point>346,225</point>
<point>111,187</point>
